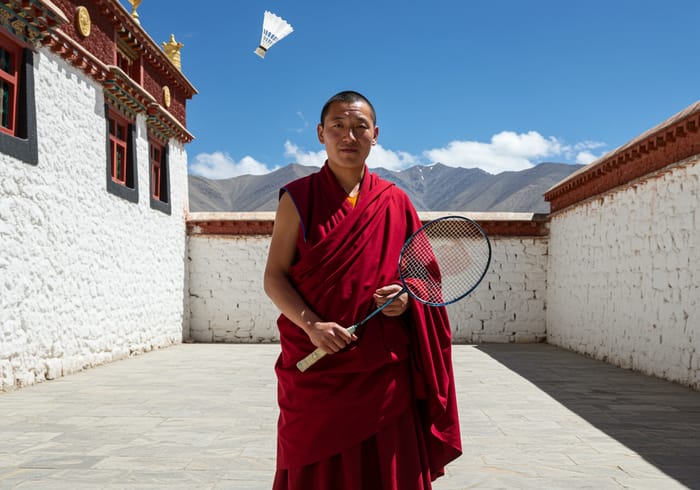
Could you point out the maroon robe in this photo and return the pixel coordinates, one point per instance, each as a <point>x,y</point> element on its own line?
<point>395,383</point>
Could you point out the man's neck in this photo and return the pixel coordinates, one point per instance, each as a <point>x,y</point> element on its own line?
<point>348,178</point>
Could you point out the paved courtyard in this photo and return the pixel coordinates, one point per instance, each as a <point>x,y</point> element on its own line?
<point>202,416</point>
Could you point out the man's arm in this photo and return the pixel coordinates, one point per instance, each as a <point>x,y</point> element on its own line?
<point>329,336</point>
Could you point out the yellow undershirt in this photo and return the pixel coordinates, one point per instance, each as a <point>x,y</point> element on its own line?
<point>353,199</point>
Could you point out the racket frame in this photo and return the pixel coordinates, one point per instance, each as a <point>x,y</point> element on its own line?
<point>319,353</point>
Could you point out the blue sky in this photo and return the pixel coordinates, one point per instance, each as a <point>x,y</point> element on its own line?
<point>496,84</point>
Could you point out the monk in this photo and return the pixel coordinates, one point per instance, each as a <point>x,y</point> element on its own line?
<point>379,411</point>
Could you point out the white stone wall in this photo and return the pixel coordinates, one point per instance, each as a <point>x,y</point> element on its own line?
<point>509,304</point>
<point>225,289</point>
<point>227,302</point>
<point>624,276</point>
<point>85,277</point>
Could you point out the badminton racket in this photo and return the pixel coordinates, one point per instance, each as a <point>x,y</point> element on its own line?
<point>439,264</point>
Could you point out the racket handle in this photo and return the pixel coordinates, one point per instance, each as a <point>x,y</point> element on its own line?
<point>318,354</point>
<point>311,359</point>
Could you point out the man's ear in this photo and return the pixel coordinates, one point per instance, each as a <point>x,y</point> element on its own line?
<point>376,135</point>
<point>319,132</point>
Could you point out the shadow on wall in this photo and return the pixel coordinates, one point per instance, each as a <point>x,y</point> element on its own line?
<point>657,419</point>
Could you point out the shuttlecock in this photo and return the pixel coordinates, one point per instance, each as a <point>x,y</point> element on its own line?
<point>274,29</point>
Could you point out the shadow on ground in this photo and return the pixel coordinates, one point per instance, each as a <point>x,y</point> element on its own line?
<point>657,419</point>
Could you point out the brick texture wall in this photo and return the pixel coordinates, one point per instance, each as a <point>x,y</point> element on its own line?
<point>227,302</point>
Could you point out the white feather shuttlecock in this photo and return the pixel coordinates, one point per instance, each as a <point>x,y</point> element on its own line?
<point>274,29</point>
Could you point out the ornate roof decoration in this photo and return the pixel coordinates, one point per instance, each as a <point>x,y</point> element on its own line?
<point>131,32</point>
<point>120,90</point>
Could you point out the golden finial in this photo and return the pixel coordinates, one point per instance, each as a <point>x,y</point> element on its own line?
<point>134,5</point>
<point>172,51</point>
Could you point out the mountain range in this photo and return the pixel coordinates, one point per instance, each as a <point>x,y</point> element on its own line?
<point>431,188</point>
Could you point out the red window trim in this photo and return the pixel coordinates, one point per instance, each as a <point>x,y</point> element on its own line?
<point>12,79</point>
<point>116,143</point>
<point>155,157</point>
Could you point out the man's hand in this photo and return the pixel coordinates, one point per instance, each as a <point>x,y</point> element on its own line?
<point>329,336</point>
<point>398,306</point>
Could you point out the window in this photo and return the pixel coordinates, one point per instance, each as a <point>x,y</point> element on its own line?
<point>129,61</point>
<point>121,160</point>
<point>160,189</point>
<point>17,108</point>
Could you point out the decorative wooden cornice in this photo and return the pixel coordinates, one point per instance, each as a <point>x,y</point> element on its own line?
<point>494,224</point>
<point>670,142</point>
<point>61,44</point>
<point>165,126</point>
<point>126,94</point>
<point>31,20</point>
<point>131,32</point>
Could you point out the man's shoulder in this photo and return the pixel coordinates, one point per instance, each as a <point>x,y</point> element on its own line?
<point>381,181</point>
<point>393,194</point>
<point>301,181</point>
<point>391,187</point>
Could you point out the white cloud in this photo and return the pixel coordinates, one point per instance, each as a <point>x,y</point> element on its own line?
<point>379,157</point>
<point>304,123</point>
<point>585,157</point>
<point>219,165</point>
<point>298,155</point>
<point>509,151</point>
<point>580,152</point>
<point>390,160</point>
<point>506,151</point>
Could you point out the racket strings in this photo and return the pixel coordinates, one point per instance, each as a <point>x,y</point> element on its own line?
<point>445,260</point>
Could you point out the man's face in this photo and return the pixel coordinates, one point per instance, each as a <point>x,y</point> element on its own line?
<point>348,132</point>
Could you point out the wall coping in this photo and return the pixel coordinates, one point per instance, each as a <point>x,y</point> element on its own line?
<point>260,223</point>
<point>672,141</point>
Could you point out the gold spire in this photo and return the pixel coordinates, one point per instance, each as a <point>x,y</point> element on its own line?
<point>172,51</point>
<point>134,5</point>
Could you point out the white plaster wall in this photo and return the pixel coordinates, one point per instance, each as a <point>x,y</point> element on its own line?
<point>227,302</point>
<point>509,304</point>
<point>85,277</point>
<point>225,289</point>
<point>624,276</point>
